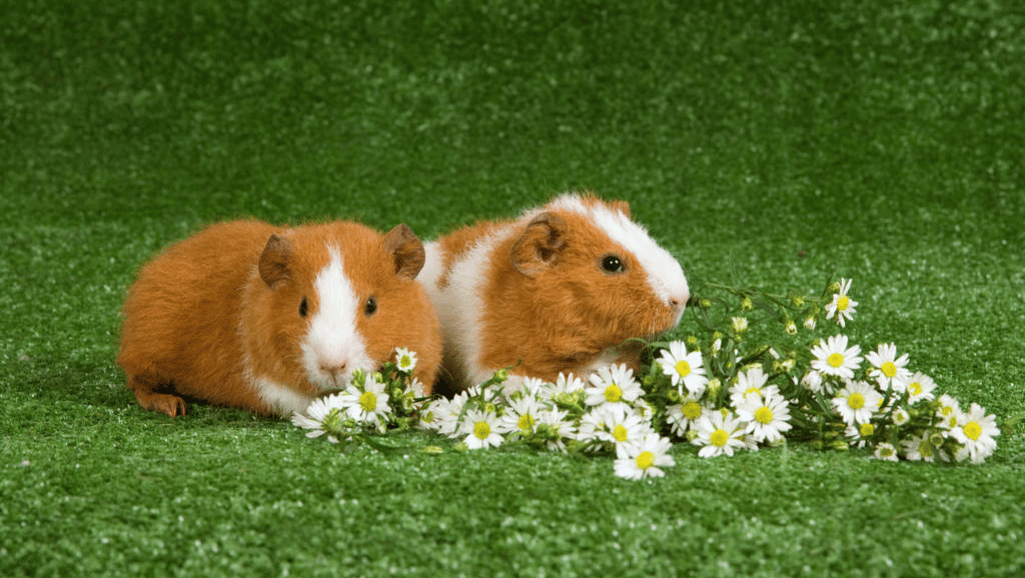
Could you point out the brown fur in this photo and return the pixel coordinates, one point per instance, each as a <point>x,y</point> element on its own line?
<point>214,311</point>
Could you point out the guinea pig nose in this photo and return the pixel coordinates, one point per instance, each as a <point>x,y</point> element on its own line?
<point>334,369</point>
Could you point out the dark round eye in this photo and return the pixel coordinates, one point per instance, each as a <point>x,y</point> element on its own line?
<point>612,264</point>
<point>304,308</point>
<point>371,306</point>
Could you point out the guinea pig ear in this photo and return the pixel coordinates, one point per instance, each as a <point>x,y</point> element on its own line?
<point>540,245</point>
<point>407,250</point>
<point>274,261</point>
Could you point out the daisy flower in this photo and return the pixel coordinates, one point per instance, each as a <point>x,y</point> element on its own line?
<point>948,411</point>
<point>766,416</point>
<point>975,430</point>
<point>900,417</point>
<point>447,412</point>
<point>682,416</point>
<point>835,358</point>
<point>521,415</point>
<point>751,381</point>
<point>885,451</point>
<point>813,381</point>
<point>719,433</point>
<point>856,402</point>
<point>889,370</point>
<point>613,384</point>
<point>322,415</point>
<point>551,426</point>
<point>684,367</point>
<point>920,388</point>
<point>405,359</point>
<point>860,434</point>
<point>369,404</point>
<point>643,459</point>
<point>568,384</point>
<point>481,429</point>
<point>919,448</point>
<point>622,426</point>
<point>842,306</point>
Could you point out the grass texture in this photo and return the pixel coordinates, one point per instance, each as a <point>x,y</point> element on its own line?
<point>768,143</point>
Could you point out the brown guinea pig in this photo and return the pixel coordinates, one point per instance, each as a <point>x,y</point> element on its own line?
<point>557,290</point>
<point>248,315</point>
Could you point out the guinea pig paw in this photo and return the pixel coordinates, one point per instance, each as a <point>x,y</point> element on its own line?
<point>172,405</point>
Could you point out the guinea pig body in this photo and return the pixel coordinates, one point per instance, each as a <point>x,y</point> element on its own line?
<point>557,290</point>
<point>249,315</point>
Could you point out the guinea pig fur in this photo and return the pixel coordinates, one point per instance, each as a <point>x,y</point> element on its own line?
<point>557,290</point>
<point>249,315</point>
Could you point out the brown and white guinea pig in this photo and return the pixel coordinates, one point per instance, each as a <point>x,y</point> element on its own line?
<point>557,290</point>
<point>249,315</point>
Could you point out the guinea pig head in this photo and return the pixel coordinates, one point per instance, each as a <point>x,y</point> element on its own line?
<point>339,296</point>
<point>588,265</point>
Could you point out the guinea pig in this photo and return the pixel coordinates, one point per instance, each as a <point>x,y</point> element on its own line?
<point>248,315</point>
<point>557,290</point>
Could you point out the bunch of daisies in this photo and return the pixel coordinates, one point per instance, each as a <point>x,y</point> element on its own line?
<point>723,392</point>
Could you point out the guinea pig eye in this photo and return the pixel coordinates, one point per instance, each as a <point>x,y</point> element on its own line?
<point>612,264</point>
<point>304,308</point>
<point>371,306</point>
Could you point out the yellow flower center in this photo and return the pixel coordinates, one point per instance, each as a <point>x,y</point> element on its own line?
<point>855,401</point>
<point>406,361</point>
<point>619,433</point>
<point>763,415</point>
<point>692,410</point>
<point>973,430</point>
<point>525,422</point>
<point>482,430</point>
<point>925,448</point>
<point>613,393</point>
<point>867,429</point>
<point>915,388</point>
<point>683,368</point>
<point>719,438</point>
<point>886,452</point>
<point>843,303</point>
<point>889,369</point>
<point>645,460</point>
<point>368,401</point>
<point>835,359</point>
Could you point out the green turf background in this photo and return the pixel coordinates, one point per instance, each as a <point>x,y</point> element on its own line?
<point>772,143</point>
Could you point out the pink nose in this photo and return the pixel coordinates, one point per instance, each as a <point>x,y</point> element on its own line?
<point>334,369</point>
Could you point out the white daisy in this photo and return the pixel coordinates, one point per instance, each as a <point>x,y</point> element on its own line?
<point>835,358</point>
<point>369,403</point>
<point>405,359</point>
<point>766,416</point>
<point>612,384</point>
<point>719,433</point>
<point>888,369</point>
<point>481,429</point>
<point>948,411</point>
<point>856,402</point>
<point>682,416</point>
<point>521,415</point>
<point>324,414</point>
<point>568,384</point>
<point>813,381</point>
<point>551,425</point>
<point>919,448</point>
<point>842,306</point>
<point>885,451</point>
<point>900,417</point>
<point>642,460</point>
<point>920,388</point>
<point>751,381</point>
<point>975,430</point>
<point>447,412</point>
<point>860,434</point>
<point>622,426</point>
<point>684,367</point>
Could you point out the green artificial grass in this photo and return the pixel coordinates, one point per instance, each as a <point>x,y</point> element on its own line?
<point>762,143</point>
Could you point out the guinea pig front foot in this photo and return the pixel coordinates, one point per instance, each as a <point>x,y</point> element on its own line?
<point>167,403</point>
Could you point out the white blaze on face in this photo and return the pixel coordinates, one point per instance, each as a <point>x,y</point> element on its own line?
<point>665,276</point>
<point>333,347</point>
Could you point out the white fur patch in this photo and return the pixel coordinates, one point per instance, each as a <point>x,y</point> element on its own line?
<point>282,400</point>
<point>459,304</point>
<point>665,276</point>
<point>333,339</point>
